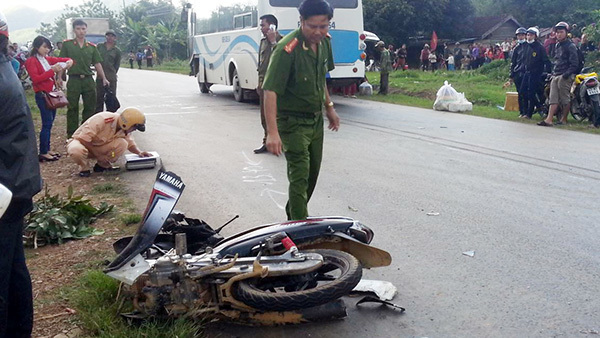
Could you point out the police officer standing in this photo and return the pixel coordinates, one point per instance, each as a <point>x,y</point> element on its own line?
<point>105,137</point>
<point>111,61</point>
<point>268,27</point>
<point>385,63</point>
<point>295,97</point>
<point>535,63</point>
<point>517,68</point>
<point>81,83</point>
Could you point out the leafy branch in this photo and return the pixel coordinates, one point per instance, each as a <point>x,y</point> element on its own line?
<point>55,219</point>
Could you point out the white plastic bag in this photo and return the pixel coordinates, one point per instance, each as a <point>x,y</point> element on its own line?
<point>461,105</point>
<point>445,95</point>
<point>365,88</point>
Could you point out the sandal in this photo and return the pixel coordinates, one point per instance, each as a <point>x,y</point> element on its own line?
<point>544,124</point>
<point>43,158</point>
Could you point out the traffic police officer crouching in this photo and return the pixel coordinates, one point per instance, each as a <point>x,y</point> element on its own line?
<point>105,137</point>
<point>295,95</point>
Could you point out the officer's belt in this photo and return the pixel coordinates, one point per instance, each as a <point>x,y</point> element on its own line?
<point>78,76</point>
<point>300,114</point>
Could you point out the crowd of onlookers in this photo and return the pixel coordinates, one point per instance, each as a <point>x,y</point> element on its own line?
<point>475,55</point>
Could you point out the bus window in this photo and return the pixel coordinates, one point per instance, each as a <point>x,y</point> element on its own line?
<point>333,3</point>
<point>243,20</point>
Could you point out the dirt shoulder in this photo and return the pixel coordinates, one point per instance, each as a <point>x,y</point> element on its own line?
<point>56,268</point>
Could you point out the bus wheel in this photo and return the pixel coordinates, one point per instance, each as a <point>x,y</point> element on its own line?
<point>204,87</point>
<point>238,91</point>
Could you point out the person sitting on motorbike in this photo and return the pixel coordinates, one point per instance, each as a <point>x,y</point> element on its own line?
<point>105,137</point>
<point>563,75</point>
<point>535,62</point>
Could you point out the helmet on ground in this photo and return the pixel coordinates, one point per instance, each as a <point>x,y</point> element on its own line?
<point>562,25</point>
<point>132,117</point>
<point>533,30</point>
<point>3,25</point>
<point>520,30</point>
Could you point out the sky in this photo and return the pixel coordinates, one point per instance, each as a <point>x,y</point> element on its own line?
<point>203,8</point>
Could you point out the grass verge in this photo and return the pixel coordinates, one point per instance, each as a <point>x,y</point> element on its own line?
<point>173,66</point>
<point>98,310</point>
<point>483,87</point>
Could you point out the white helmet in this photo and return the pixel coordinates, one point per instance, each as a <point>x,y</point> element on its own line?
<point>533,30</point>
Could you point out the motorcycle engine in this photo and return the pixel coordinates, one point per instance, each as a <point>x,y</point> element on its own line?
<point>166,290</point>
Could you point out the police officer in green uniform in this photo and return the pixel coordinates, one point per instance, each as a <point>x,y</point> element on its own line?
<point>296,96</point>
<point>111,61</point>
<point>81,82</point>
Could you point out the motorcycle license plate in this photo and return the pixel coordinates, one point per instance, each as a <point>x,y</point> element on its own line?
<point>593,91</point>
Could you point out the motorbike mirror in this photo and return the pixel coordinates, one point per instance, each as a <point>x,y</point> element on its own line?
<point>224,225</point>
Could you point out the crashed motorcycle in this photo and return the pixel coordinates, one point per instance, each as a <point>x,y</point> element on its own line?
<point>281,273</point>
<point>586,98</point>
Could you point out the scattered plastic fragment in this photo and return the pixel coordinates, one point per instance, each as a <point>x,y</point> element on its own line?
<point>352,209</point>
<point>469,253</point>
<point>384,290</point>
<point>433,213</point>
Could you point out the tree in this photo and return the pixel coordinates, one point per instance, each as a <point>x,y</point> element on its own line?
<point>169,34</point>
<point>395,21</point>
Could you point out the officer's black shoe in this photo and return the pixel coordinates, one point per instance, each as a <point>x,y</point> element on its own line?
<point>85,173</point>
<point>262,149</point>
<point>100,169</point>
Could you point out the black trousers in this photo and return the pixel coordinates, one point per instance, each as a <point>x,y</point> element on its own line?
<point>518,78</point>
<point>531,86</point>
<point>384,79</point>
<point>16,299</point>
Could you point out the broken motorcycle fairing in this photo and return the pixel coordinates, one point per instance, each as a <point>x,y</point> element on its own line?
<point>271,274</point>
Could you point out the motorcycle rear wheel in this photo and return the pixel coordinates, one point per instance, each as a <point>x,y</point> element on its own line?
<point>260,293</point>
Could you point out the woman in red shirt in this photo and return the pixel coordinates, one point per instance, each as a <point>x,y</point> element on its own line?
<point>42,69</point>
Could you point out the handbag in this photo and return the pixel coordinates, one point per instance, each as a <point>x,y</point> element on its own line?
<point>111,101</point>
<point>55,99</point>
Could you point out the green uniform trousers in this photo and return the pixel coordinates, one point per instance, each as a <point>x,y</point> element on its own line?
<point>302,138</point>
<point>86,88</point>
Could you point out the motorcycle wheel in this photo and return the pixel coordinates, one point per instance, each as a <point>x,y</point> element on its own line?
<point>576,113</point>
<point>261,293</point>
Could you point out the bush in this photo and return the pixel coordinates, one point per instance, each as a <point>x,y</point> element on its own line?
<point>497,69</point>
<point>55,218</point>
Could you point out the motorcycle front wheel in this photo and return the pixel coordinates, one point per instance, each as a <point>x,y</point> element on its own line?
<point>338,275</point>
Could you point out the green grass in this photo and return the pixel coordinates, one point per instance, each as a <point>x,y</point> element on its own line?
<point>98,310</point>
<point>108,188</point>
<point>173,66</point>
<point>482,87</point>
<point>129,219</point>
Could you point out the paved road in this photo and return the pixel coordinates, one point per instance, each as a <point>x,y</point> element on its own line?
<point>523,198</point>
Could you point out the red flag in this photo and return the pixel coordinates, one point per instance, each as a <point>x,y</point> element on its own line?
<point>433,41</point>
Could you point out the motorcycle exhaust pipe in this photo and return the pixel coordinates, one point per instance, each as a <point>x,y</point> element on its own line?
<point>332,310</point>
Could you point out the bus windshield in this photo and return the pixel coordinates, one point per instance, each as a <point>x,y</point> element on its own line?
<point>333,3</point>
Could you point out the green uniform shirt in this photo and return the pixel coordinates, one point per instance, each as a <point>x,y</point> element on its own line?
<point>297,75</point>
<point>264,55</point>
<point>82,57</point>
<point>111,60</point>
<point>386,61</point>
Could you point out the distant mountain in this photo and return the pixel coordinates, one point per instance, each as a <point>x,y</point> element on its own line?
<point>24,17</point>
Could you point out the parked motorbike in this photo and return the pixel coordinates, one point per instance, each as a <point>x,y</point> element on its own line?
<point>278,273</point>
<point>585,103</point>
